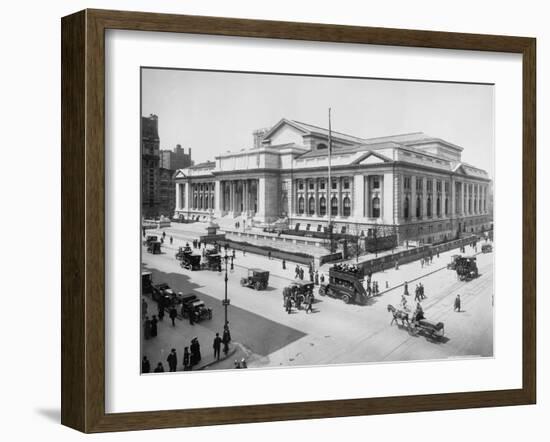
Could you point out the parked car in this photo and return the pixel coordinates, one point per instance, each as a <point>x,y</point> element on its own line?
<point>257,278</point>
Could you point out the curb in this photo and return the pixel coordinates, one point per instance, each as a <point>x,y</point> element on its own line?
<point>230,354</point>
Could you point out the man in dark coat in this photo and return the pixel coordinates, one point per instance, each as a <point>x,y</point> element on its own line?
<point>217,346</point>
<point>159,368</point>
<point>284,264</point>
<point>186,362</point>
<point>160,309</point>
<point>457,304</point>
<point>154,330</point>
<point>145,365</point>
<point>173,315</point>
<point>147,328</point>
<point>288,305</point>
<point>172,360</point>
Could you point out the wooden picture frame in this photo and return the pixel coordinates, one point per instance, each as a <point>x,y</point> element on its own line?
<point>83,218</point>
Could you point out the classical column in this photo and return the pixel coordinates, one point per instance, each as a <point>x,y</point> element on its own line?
<point>434,196</point>
<point>412,203</point>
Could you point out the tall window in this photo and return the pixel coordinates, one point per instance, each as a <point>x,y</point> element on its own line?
<point>446,206</point>
<point>376,207</point>
<point>206,206</point>
<point>376,182</point>
<point>438,204</point>
<point>195,202</point>
<point>418,207</point>
<point>346,184</point>
<point>301,205</point>
<point>311,206</point>
<point>322,206</point>
<point>429,208</point>
<point>212,202</point>
<point>406,208</point>
<point>334,206</point>
<point>347,206</point>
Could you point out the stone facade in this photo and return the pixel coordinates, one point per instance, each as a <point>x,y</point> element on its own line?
<point>413,185</point>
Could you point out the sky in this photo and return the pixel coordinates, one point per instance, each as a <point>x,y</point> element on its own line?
<point>214,112</point>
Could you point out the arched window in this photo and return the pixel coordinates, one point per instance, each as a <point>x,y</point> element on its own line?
<point>321,146</point>
<point>418,207</point>
<point>301,205</point>
<point>438,206</point>
<point>334,206</point>
<point>429,208</point>
<point>406,208</point>
<point>347,206</point>
<point>376,207</point>
<point>200,202</point>
<point>311,206</point>
<point>322,206</point>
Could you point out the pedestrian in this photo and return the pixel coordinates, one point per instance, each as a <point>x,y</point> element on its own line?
<point>316,277</point>
<point>171,240</point>
<point>396,264</point>
<point>244,252</point>
<point>301,273</point>
<point>196,349</point>
<point>163,235</point>
<point>284,264</point>
<point>199,243</point>
<point>226,337</point>
<point>232,266</point>
<point>159,368</point>
<point>217,346</point>
<point>288,305</point>
<point>154,330</point>
<point>162,240</point>
<point>186,366</point>
<point>322,278</point>
<point>145,365</point>
<point>172,360</point>
<point>311,279</point>
<point>160,311</point>
<point>421,263</point>
<point>233,254</point>
<point>173,315</point>
<point>269,255</point>
<point>403,302</point>
<point>147,328</point>
<point>191,316</point>
<point>297,272</point>
<point>309,307</point>
<point>406,286</point>
<point>144,232</point>
<point>438,254</point>
<point>143,308</point>
<point>457,304</point>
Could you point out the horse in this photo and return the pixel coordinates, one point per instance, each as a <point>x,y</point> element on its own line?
<point>399,314</point>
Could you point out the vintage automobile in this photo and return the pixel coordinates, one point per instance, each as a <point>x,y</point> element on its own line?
<point>191,305</point>
<point>257,278</point>
<point>486,248</point>
<point>212,260</point>
<point>146,282</point>
<point>298,291</point>
<point>452,264</point>
<point>191,262</point>
<point>165,296</point>
<point>149,239</point>
<point>466,268</point>
<point>182,251</point>
<point>154,247</point>
<point>347,286</point>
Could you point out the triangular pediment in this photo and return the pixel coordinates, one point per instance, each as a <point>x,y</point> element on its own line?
<point>372,158</point>
<point>179,174</point>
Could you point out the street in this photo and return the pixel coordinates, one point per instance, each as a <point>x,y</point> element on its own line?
<point>334,333</point>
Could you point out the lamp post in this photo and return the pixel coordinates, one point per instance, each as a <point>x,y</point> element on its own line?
<point>226,300</point>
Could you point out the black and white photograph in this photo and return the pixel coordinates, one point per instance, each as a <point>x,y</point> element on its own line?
<point>304,220</point>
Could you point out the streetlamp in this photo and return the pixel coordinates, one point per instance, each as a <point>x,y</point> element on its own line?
<point>225,303</point>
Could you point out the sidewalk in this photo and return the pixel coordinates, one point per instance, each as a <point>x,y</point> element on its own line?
<point>179,336</point>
